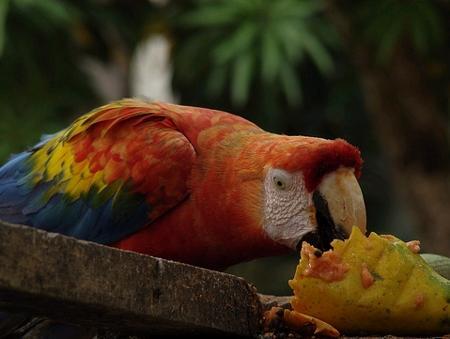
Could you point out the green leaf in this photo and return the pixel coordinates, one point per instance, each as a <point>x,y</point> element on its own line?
<point>317,51</point>
<point>216,80</point>
<point>377,18</point>
<point>271,57</point>
<point>194,50</point>
<point>439,263</point>
<point>213,15</point>
<point>432,21</point>
<point>419,36</point>
<point>389,40</point>
<point>325,32</point>
<point>249,6</point>
<point>53,11</point>
<point>257,40</point>
<point>287,35</point>
<point>242,39</point>
<point>241,78</point>
<point>298,10</point>
<point>291,85</point>
<point>389,21</point>
<point>4,4</point>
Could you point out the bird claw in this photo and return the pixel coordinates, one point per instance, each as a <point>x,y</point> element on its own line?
<point>279,320</point>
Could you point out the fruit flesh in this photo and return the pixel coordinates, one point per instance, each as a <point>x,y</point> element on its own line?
<point>386,288</point>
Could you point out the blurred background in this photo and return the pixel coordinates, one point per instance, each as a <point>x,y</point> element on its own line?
<point>376,73</point>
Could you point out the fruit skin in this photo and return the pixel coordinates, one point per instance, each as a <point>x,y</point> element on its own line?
<point>407,296</point>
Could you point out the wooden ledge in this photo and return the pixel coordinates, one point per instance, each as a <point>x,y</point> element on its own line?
<point>97,286</point>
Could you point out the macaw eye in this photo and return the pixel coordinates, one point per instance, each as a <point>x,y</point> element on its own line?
<point>281,180</point>
<point>279,183</point>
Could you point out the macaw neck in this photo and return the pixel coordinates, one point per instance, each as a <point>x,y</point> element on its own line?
<point>182,235</point>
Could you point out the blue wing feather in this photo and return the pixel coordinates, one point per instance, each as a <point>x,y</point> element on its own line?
<point>91,217</point>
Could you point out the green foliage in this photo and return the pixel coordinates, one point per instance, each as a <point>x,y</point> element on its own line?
<point>247,43</point>
<point>388,22</point>
<point>45,14</point>
<point>4,5</point>
<point>42,86</point>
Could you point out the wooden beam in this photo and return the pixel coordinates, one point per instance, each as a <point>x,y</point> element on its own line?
<point>97,286</point>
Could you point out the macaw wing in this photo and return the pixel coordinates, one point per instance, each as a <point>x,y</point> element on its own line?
<point>111,173</point>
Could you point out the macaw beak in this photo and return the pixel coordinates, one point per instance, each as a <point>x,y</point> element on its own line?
<point>339,205</point>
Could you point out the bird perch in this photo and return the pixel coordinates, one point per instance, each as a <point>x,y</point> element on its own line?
<point>87,284</point>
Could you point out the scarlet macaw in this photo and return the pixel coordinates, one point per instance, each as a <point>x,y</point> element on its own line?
<point>194,185</point>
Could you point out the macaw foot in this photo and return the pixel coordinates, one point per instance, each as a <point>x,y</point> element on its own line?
<point>282,322</point>
<point>297,321</point>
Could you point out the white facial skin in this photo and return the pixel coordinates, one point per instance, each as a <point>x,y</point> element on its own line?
<point>288,207</point>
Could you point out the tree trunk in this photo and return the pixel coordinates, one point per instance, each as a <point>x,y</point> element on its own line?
<point>410,128</point>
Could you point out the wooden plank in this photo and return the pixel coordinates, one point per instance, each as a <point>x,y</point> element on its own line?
<point>96,286</point>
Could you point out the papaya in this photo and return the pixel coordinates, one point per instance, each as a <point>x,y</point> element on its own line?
<point>372,285</point>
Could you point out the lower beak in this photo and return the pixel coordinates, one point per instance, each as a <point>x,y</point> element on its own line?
<point>339,206</point>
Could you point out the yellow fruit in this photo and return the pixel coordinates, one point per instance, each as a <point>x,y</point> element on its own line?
<point>375,284</point>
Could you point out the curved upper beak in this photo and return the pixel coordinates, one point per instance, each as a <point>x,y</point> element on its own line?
<point>339,205</point>
<point>345,200</point>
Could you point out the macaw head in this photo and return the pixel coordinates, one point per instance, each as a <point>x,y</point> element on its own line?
<point>311,191</point>
<point>266,193</point>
